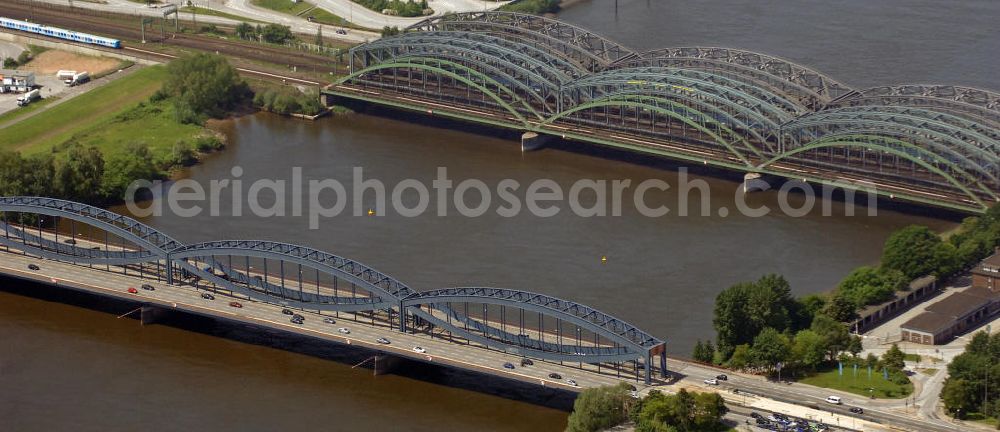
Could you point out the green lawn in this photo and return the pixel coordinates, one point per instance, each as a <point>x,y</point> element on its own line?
<point>95,118</point>
<point>22,111</point>
<point>859,385</point>
<point>929,371</point>
<point>286,6</point>
<point>912,357</point>
<point>205,11</point>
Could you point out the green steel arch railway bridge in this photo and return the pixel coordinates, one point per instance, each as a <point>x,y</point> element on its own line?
<point>937,145</point>
<point>77,246</point>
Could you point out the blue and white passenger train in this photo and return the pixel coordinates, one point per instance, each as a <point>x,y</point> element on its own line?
<point>59,33</point>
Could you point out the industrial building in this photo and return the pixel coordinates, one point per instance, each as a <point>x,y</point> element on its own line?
<point>959,312</point>
<point>12,81</point>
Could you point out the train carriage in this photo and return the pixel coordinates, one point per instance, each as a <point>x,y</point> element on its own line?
<point>59,33</point>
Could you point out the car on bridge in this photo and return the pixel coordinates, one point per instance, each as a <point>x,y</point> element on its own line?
<point>833,400</point>
<point>712,381</point>
<point>297,319</point>
<point>207,296</point>
<point>526,362</point>
<point>344,330</point>
<point>857,410</point>
<point>132,290</point>
<point>236,304</point>
<point>508,365</point>
<point>329,320</point>
<point>69,241</point>
<point>722,377</point>
<point>554,375</point>
<point>383,341</point>
<point>420,350</point>
<point>148,287</point>
<point>572,383</point>
<point>33,267</point>
<point>287,312</point>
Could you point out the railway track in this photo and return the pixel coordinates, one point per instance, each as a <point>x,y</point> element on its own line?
<point>115,27</point>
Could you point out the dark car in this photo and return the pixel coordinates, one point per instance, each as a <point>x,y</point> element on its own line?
<point>857,410</point>
<point>235,304</point>
<point>33,267</point>
<point>755,415</point>
<point>508,365</point>
<point>526,362</point>
<point>722,377</point>
<point>297,320</point>
<point>287,312</point>
<point>310,18</point>
<point>207,296</point>
<point>341,31</point>
<point>554,375</point>
<point>329,321</point>
<point>148,287</point>
<point>69,241</point>
<point>298,317</point>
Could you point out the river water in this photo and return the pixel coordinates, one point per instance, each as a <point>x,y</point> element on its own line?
<point>66,367</point>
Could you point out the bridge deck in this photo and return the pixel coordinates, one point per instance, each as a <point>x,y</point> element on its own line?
<point>187,299</point>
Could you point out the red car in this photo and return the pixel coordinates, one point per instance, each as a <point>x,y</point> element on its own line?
<point>235,304</point>
<point>133,291</point>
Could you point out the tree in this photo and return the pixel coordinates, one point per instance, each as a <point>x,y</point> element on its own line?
<point>277,33</point>
<point>79,177</point>
<point>319,37</point>
<point>840,308</point>
<point>769,348</point>
<point>741,357</point>
<point>245,31</point>
<point>870,285</point>
<point>809,348</point>
<point>135,163</point>
<point>682,412</point>
<point>599,408</point>
<point>835,336</point>
<point>913,250</point>
<point>894,359</point>
<point>744,309</point>
<point>958,396</point>
<point>203,84</point>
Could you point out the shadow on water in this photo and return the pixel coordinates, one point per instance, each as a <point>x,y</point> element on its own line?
<point>299,344</point>
<point>838,195</point>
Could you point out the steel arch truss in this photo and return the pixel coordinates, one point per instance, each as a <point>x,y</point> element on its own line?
<point>590,50</point>
<point>201,264</point>
<point>974,143</point>
<point>125,227</point>
<point>811,88</point>
<point>623,341</point>
<point>971,103</point>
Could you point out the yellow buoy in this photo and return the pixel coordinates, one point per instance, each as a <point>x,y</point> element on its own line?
<point>604,260</point>
<point>371,212</point>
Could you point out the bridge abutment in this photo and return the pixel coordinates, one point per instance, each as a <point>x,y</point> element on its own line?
<point>753,182</point>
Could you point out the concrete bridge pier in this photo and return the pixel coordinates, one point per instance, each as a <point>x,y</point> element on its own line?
<point>151,314</point>
<point>531,141</point>
<point>754,182</point>
<point>384,364</point>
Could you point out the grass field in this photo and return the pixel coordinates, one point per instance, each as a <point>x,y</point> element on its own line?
<point>859,385</point>
<point>95,118</point>
<point>285,6</point>
<point>22,111</point>
<point>205,11</point>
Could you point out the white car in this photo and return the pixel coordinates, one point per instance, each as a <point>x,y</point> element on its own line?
<point>712,381</point>
<point>420,350</point>
<point>833,400</point>
<point>344,330</point>
<point>571,382</point>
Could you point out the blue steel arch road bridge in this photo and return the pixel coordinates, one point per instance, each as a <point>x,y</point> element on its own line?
<point>931,144</point>
<point>106,247</point>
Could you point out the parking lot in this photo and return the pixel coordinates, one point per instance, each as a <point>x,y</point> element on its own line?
<point>45,66</point>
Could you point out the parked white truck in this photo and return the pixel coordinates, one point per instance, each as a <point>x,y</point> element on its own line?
<point>64,75</point>
<point>78,79</point>
<point>29,97</point>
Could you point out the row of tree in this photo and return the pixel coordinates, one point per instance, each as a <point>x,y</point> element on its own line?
<point>536,7</point>
<point>270,33</point>
<point>601,408</point>
<point>973,384</point>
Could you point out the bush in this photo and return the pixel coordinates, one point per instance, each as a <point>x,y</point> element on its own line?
<point>599,408</point>
<point>208,143</point>
<point>182,154</point>
<point>10,63</point>
<point>25,57</point>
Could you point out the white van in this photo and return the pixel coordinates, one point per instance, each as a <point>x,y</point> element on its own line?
<point>833,399</point>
